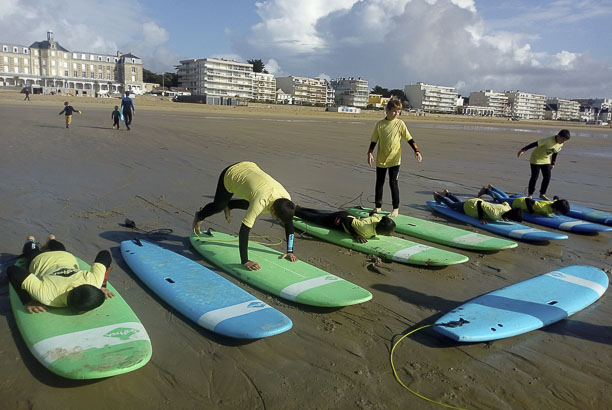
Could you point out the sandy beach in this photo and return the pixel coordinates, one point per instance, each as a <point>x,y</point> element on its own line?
<point>82,183</point>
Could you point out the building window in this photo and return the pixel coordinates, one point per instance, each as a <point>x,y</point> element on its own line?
<point>92,57</point>
<point>16,60</point>
<point>53,62</point>
<point>5,59</point>
<point>133,69</point>
<point>84,74</point>
<point>53,53</point>
<point>15,50</point>
<point>6,69</point>
<point>75,55</point>
<point>107,59</point>
<point>66,73</point>
<point>99,58</point>
<point>4,48</point>
<point>108,67</point>
<point>25,51</point>
<point>65,56</point>
<point>92,75</point>
<point>108,76</point>
<point>100,67</point>
<point>133,78</point>
<point>54,72</point>
<point>100,76</point>
<point>91,67</point>
<point>76,74</point>
<point>83,57</point>
<point>83,67</point>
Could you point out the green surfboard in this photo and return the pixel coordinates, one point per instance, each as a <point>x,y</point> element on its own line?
<point>388,247</point>
<point>103,342</point>
<point>442,234</point>
<point>295,281</point>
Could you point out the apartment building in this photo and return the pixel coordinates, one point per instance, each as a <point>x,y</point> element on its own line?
<point>264,87</point>
<point>526,105</point>
<point>431,98</point>
<point>352,92</point>
<point>561,109</point>
<point>304,90</point>
<point>330,97</point>
<point>55,69</point>
<point>497,102</point>
<point>221,82</point>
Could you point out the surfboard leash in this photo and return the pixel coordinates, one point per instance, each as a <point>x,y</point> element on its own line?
<point>154,234</point>
<point>457,323</point>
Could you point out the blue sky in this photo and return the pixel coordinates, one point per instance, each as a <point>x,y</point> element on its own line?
<point>557,47</point>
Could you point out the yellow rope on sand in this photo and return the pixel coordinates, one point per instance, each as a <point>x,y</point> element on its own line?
<point>402,383</point>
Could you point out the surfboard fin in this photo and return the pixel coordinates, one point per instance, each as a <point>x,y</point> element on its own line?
<point>455,323</point>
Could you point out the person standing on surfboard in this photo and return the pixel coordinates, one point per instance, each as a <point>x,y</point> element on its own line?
<point>478,208</point>
<point>260,193</point>
<point>127,108</point>
<point>389,132</point>
<point>542,207</point>
<point>361,229</point>
<point>543,159</point>
<point>53,278</point>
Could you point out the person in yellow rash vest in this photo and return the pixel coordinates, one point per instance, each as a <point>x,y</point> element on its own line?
<point>260,193</point>
<point>388,133</point>
<point>542,207</point>
<point>479,208</point>
<point>361,229</point>
<point>53,278</point>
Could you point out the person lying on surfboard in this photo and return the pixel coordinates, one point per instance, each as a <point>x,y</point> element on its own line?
<point>542,207</point>
<point>53,278</point>
<point>478,208</point>
<point>361,229</point>
<point>260,193</point>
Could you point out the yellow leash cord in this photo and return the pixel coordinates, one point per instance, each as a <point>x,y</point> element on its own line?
<point>402,383</point>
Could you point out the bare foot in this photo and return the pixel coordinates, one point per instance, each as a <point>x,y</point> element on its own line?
<point>437,197</point>
<point>51,237</point>
<point>445,192</point>
<point>228,214</point>
<point>377,210</point>
<point>393,213</point>
<point>31,238</point>
<point>490,186</point>
<point>482,191</point>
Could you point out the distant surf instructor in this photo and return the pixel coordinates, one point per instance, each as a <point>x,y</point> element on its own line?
<point>127,107</point>
<point>260,193</point>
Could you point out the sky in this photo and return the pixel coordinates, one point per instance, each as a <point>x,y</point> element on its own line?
<point>559,48</point>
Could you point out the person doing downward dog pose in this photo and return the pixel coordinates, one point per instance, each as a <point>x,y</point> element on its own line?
<point>260,193</point>
<point>543,159</point>
<point>53,278</point>
<point>542,208</point>
<point>479,208</point>
<point>388,133</point>
<point>361,229</point>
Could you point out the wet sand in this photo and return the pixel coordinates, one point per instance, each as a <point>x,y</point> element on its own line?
<point>82,183</point>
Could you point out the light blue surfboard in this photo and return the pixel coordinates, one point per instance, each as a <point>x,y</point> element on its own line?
<point>590,214</point>
<point>525,306</point>
<point>565,222</point>
<point>503,228</point>
<point>201,295</point>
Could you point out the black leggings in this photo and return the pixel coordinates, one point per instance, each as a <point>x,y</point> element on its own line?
<point>535,173</point>
<point>223,198</point>
<point>326,219</point>
<point>127,117</point>
<point>380,182</point>
<point>453,202</point>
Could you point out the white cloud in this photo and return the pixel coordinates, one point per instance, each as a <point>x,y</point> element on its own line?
<point>273,67</point>
<point>393,43</point>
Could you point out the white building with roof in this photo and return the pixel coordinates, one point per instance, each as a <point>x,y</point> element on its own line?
<point>264,87</point>
<point>526,105</point>
<point>498,102</point>
<point>431,98</point>
<point>352,92</point>
<point>304,90</point>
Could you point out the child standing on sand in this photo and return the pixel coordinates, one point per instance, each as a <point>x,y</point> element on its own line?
<point>543,159</point>
<point>68,110</point>
<point>389,133</point>
<point>116,114</point>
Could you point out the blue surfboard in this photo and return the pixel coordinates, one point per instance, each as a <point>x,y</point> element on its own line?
<point>201,295</point>
<point>565,222</point>
<point>590,214</point>
<point>503,228</point>
<point>121,117</point>
<point>525,306</point>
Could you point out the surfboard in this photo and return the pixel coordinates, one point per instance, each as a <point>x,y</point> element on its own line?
<point>202,295</point>
<point>295,281</point>
<point>440,233</point>
<point>504,228</point>
<point>525,306</point>
<point>565,223</point>
<point>590,214</point>
<point>389,247</point>
<point>121,117</point>
<point>103,342</point>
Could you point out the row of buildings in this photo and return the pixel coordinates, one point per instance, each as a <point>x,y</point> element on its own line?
<point>52,68</point>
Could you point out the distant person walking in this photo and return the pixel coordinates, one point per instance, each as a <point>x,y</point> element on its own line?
<point>127,107</point>
<point>116,115</point>
<point>68,110</point>
<point>27,93</point>
<point>388,133</point>
<point>543,159</point>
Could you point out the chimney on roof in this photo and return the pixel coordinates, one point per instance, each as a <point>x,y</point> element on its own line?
<point>49,35</point>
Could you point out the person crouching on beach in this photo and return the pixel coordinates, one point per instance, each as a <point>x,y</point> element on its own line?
<point>479,208</point>
<point>260,193</point>
<point>361,229</point>
<point>53,278</point>
<point>68,110</point>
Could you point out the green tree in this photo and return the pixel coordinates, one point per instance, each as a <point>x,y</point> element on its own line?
<point>398,93</point>
<point>380,91</point>
<point>258,66</point>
